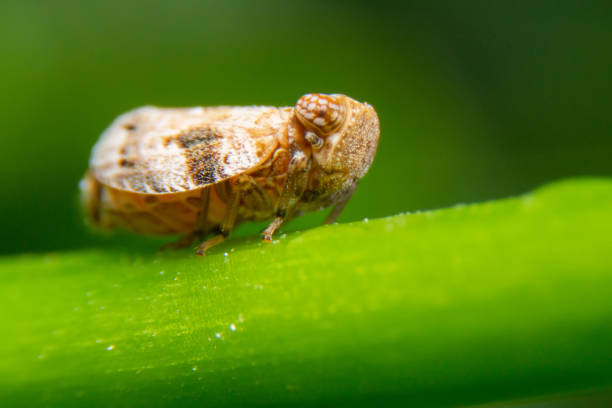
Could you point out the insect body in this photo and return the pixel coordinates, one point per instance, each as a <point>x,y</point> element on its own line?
<point>201,171</point>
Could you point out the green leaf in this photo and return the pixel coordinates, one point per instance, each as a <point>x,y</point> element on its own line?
<point>468,304</point>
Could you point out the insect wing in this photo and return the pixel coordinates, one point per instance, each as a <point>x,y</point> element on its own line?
<point>155,151</point>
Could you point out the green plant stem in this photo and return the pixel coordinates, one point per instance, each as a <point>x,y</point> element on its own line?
<point>468,304</point>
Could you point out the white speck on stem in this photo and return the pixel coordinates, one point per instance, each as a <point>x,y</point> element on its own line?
<point>111,347</point>
<point>218,335</point>
<point>232,327</point>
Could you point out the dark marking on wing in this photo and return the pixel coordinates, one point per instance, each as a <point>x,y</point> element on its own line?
<point>203,164</point>
<point>127,163</point>
<point>196,137</point>
<point>202,153</point>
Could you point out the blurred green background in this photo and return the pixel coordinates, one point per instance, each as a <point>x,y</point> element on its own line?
<point>477,99</point>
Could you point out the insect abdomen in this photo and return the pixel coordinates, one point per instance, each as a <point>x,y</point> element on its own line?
<point>174,213</point>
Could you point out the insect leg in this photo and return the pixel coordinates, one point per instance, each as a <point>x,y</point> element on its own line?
<point>226,226</point>
<point>335,212</point>
<point>272,228</point>
<point>297,178</point>
<point>204,202</point>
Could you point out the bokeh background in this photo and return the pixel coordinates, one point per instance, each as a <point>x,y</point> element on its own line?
<point>477,99</point>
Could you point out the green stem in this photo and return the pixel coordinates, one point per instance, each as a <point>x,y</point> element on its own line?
<point>468,304</point>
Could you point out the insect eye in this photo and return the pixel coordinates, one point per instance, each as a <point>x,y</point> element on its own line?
<point>320,112</point>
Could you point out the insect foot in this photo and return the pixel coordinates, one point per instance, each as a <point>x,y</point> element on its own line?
<point>268,233</point>
<point>214,241</point>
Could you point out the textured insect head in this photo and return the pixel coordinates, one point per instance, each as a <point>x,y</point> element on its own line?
<point>343,132</point>
<point>321,113</point>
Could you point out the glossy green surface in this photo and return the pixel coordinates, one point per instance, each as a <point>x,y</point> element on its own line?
<point>465,305</point>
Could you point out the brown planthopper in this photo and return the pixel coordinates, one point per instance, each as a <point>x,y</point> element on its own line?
<point>201,171</point>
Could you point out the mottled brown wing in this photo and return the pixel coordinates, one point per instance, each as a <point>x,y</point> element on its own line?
<point>155,151</point>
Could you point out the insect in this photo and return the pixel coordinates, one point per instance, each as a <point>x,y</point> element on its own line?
<point>201,171</point>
